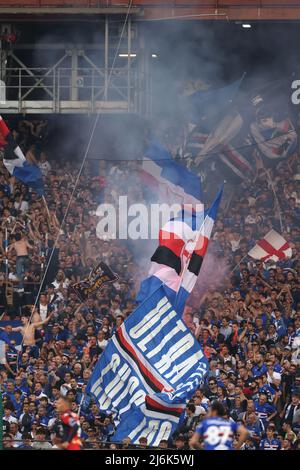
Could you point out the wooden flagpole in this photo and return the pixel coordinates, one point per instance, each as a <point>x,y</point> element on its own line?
<point>46,205</point>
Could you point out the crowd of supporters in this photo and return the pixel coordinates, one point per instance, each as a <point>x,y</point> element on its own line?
<point>248,325</point>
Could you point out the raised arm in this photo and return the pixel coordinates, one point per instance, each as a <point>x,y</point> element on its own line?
<point>17,328</point>
<point>43,322</point>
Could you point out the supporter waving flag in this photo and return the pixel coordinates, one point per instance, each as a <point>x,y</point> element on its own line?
<point>177,261</point>
<point>16,163</point>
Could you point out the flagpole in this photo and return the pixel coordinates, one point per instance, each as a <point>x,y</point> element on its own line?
<point>187,263</point>
<point>276,200</point>
<point>240,262</point>
<point>202,227</point>
<point>6,254</point>
<point>189,258</point>
<point>46,205</point>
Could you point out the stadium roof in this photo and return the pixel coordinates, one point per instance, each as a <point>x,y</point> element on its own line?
<point>255,10</point>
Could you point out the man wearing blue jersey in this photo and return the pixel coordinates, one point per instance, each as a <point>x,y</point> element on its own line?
<point>270,442</point>
<point>217,432</point>
<point>264,410</point>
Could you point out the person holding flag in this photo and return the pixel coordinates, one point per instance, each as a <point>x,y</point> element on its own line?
<point>15,161</point>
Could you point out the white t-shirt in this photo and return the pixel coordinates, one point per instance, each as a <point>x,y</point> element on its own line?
<point>43,311</point>
<point>11,419</point>
<point>102,344</point>
<point>2,353</point>
<point>57,284</point>
<point>23,207</point>
<point>200,410</point>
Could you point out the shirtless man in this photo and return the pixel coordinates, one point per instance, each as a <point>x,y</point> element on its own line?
<point>21,246</point>
<point>28,329</point>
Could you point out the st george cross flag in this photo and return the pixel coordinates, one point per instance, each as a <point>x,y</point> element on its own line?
<point>272,247</point>
<point>16,163</point>
<point>176,248</point>
<point>171,180</point>
<point>149,369</point>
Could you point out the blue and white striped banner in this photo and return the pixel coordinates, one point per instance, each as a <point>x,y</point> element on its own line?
<point>149,369</point>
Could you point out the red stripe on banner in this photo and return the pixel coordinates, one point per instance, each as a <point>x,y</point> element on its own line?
<point>4,131</point>
<point>201,246</point>
<point>141,365</point>
<point>149,180</point>
<point>265,245</point>
<point>171,241</point>
<point>236,159</point>
<point>163,407</point>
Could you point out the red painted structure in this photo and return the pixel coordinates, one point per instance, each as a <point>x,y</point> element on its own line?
<point>150,9</point>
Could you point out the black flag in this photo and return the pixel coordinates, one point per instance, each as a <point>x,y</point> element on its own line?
<point>100,275</point>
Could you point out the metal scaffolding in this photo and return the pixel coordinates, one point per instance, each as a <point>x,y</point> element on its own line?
<point>83,78</point>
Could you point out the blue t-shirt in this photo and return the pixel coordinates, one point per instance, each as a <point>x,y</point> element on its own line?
<point>259,371</point>
<point>264,411</point>
<point>218,433</point>
<point>270,444</point>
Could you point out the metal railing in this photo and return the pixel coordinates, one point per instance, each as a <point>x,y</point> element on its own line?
<point>95,444</point>
<point>61,86</point>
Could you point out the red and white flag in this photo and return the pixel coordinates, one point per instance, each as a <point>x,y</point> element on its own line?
<point>272,247</point>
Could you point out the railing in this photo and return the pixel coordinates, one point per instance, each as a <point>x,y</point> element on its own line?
<point>97,444</point>
<point>61,85</point>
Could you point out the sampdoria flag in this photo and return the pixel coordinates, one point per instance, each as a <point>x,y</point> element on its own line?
<point>272,247</point>
<point>16,163</point>
<point>207,106</point>
<point>177,260</point>
<point>148,371</point>
<point>171,180</point>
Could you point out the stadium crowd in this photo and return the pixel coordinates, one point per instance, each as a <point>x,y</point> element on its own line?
<point>249,327</point>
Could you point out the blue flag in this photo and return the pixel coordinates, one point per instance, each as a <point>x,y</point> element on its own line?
<point>172,180</point>
<point>148,371</point>
<point>15,162</point>
<point>208,105</point>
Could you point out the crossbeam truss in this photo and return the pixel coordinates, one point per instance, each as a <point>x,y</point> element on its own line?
<point>75,82</point>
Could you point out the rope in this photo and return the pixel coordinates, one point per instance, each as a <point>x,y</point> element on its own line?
<point>209,154</point>
<point>79,173</point>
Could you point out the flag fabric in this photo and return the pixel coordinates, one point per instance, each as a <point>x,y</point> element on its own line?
<point>277,142</point>
<point>256,131</point>
<point>175,253</point>
<point>272,130</point>
<point>16,163</point>
<point>148,371</point>
<point>194,261</point>
<point>208,105</point>
<point>176,240</point>
<point>100,275</point>
<point>272,247</point>
<point>220,145</point>
<point>4,337</point>
<point>171,180</point>
<point>226,146</point>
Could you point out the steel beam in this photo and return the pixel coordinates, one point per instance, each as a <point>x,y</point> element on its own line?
<point>109,10</point>
<point>65,107</point>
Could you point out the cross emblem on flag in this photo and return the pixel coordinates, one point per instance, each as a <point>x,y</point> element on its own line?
<point>272,247</point>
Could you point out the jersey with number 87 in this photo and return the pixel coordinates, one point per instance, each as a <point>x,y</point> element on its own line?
<point>217,433</point>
